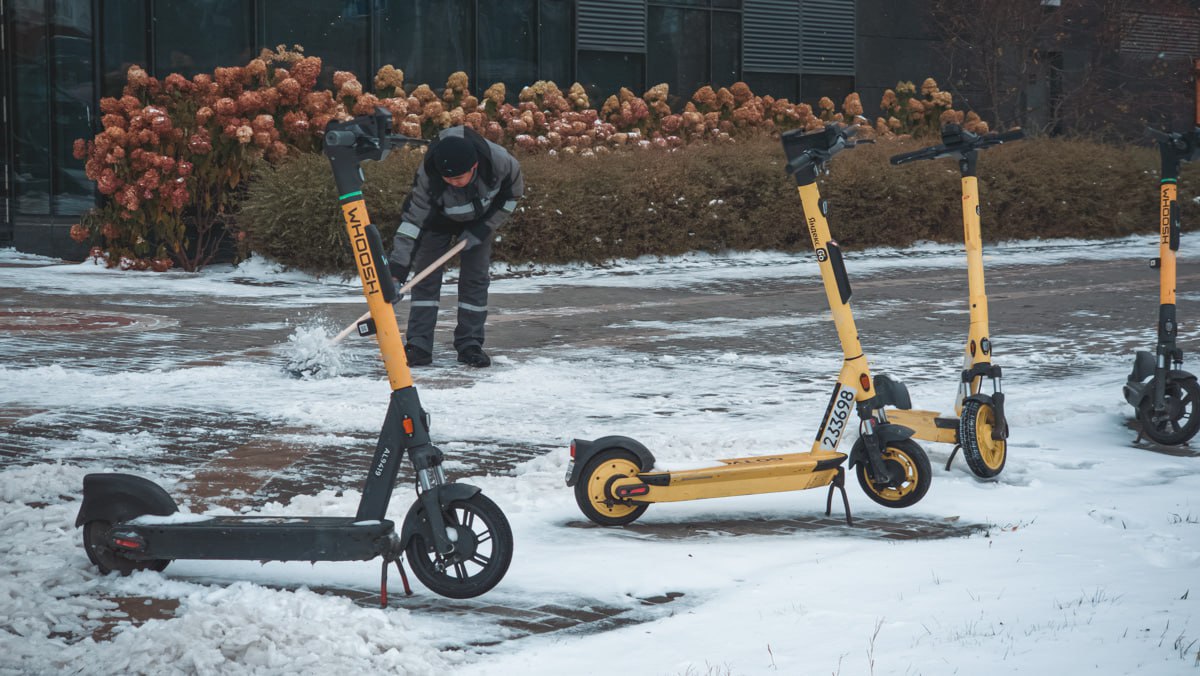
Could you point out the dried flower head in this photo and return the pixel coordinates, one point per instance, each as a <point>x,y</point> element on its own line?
<point>389,77</point>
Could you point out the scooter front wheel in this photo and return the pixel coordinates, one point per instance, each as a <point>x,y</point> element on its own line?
<point>1180,419</point>
<point>985,456</point>
<point>592,494</point>
<point>108,559</point>
<point>908,468</point>
<point>483,549</point>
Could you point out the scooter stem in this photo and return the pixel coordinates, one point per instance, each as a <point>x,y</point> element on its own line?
<point>404,289</point>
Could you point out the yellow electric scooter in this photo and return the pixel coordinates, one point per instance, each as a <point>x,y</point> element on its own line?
<point>615,479</point>
<point>978,427</point>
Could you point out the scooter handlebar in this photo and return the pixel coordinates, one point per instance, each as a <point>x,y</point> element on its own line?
<point>398,140</point>
<point>922,154</point>
<point>966,143</point>
<point>1005,137</point>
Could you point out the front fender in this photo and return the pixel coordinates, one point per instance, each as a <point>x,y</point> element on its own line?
<point>980,397</point>
<point>586,450</point>
<point>886,433</point>
<point>416,522</point>
<point>1136,391</point>
<point>120,497</point>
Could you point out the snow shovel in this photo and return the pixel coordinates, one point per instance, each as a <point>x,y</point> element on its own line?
<point>309,359</point>
<point>404,289</point>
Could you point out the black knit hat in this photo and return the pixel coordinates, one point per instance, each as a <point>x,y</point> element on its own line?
<point>454,156</point>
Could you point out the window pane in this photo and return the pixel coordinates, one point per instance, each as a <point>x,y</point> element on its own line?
<point>732,4</point>
<point>556,44</point>
<point>71,102</point>
<point>31,107</point>
<point>507,51</point>
<point>604,73</point>
<point>196,36</point>
<point>334,31</point>
<point>123,41</point>
<point>726,48</point>
<point>427,39</point>
<point>779,85</point>
<point>677,49</point>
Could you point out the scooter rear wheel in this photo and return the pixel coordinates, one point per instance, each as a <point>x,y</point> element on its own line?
<point>1181,420</point>
<point>908,465</point>
<point>108,559</point>
<point>985,456</point>
<point>592,495</point>
<point>485,546</point>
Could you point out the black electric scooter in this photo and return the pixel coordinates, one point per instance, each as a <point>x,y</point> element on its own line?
<point>458,542</point>
<point>1167,398</point>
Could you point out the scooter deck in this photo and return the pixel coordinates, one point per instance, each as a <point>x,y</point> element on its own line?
<point>926,425</point>
<point>735,476</point>
<point>256,538</point>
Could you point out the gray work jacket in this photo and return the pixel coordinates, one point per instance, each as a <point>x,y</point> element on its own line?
<point>490,197</point>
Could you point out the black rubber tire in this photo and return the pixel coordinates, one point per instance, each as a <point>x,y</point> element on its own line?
<point>906,455</point>
<point>592,488</point>
<point>456,580</point>
<point>107,559</point>
<point>1183,401</point>
<point>984,455</point>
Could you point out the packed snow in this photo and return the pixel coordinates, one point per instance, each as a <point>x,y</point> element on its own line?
<point>1089,563</point>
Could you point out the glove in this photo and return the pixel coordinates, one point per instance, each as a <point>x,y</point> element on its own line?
<point>475,234</point>
<point>399,272</point>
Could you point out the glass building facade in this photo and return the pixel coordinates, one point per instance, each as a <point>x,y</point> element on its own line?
<point>59,57</point>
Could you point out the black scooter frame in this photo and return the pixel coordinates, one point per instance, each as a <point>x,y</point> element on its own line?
<point>1150,398</point>
<point>138,511</point>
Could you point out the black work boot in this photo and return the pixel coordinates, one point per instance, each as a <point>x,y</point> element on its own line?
<point>473,355</point>
<point>416,356</point>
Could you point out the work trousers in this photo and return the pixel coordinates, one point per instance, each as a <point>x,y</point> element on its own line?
<point>473,283</point>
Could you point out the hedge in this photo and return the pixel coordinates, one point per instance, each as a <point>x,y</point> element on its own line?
<point>722,197</point>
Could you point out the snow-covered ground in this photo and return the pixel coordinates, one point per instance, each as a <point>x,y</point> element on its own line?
<point>1090,562</point>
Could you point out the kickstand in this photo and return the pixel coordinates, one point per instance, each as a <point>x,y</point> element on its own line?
<point>383,575</point>
<point>839,482</point>
<point>403,578</point>
<point>383,585</point>
<point>952,454</point>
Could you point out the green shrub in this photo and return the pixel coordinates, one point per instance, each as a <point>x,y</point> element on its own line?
<point>736,197</point>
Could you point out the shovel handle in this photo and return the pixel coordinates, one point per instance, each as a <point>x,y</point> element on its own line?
<point>404,289</point>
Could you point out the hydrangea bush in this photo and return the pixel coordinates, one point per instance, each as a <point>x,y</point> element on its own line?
<point>173,156</point>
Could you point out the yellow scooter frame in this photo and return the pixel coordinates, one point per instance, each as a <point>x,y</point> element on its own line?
<point>614,477</point>
<point>979,427</point>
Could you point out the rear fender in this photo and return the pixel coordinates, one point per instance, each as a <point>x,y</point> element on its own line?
<point>1143,367</point>
<point>586,450</point>
<point>120,497</point>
